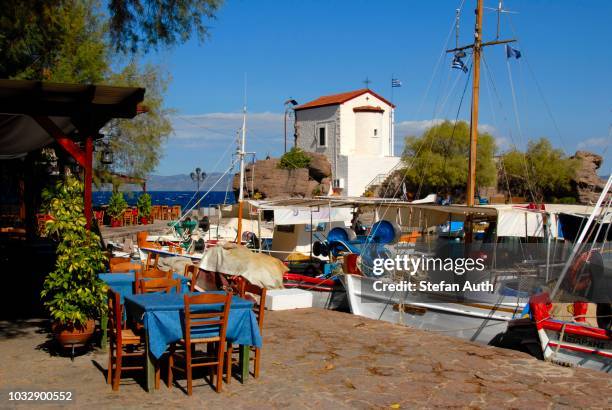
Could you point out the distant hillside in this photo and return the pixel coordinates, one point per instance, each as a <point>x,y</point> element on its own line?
<point>180,182</point>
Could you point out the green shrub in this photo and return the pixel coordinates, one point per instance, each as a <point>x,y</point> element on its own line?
<point>144,205</point>
<point>72,293</point>
<point>293,159</point>
<point>566,200</point>
<point>116,205</point>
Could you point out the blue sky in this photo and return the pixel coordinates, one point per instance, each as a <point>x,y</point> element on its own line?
<point>304,49</point>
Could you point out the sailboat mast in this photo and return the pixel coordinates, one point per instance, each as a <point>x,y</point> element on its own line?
<point>476,47</point>
<point>241,153</point>
<point>471,183</point>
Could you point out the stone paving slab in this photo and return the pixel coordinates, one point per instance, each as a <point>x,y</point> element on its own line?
<point>319,359</point>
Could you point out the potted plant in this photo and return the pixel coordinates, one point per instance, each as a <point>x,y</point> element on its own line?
<point>144,208</point>
<point>116,206</point>
<point>72,293</point>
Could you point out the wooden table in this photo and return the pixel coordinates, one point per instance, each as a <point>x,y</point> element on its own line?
<point>161,316</point>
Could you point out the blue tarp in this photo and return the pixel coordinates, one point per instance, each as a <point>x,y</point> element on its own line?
<point>163,318</point>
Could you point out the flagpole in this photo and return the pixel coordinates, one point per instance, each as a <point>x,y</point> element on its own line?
<point>391,119</point>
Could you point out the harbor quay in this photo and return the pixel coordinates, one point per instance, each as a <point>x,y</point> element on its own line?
<point>321,359</point>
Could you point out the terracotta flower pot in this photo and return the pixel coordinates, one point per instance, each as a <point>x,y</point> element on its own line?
<point>115,223</point>
<point>68,334</point>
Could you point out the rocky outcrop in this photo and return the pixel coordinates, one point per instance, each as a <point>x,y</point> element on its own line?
<point>588,185</point>
<point>265,178</point>
<point>319,167</point>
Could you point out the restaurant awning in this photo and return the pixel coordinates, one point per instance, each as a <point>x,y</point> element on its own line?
<point>74,110</point>
<point>34,114</point>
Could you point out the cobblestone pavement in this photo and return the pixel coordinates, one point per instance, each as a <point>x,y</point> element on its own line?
<point>322,359</point>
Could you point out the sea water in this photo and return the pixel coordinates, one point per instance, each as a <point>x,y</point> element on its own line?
<point>183,198</point>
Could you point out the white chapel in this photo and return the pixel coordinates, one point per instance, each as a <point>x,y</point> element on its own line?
<point>355,131</point>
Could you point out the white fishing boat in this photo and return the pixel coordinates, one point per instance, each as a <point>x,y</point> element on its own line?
<point>572,324</point>
<point>493,296</point>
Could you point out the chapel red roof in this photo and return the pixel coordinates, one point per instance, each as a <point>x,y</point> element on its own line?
<point>339,99</point>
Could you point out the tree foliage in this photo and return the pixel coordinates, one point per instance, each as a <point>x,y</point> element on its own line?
<point>30,31</point>
<point>136,24</point>
<point>81,54</point>
<point>137,143</point>
<point>541,173</point>
<point>438,160</point>
<point>37,35</point>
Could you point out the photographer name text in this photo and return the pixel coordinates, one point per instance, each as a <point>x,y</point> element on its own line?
<point>426,286</point>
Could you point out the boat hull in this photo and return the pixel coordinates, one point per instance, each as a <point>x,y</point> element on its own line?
<point>576,350</point>
<point>478,322</point>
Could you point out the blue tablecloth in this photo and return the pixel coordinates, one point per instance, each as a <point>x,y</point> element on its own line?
<point>163,319</point>
<point>124,282</point>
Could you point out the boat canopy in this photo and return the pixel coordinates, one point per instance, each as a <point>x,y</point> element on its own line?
<point>512,220</point>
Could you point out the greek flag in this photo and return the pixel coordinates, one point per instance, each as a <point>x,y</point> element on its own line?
<point>511,52</point>
<point>395,83</point>
<point>459,64</point>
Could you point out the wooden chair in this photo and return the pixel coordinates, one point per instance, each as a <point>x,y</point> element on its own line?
<point>245,288</point>
<point>157,285</point>
<point>192,272</point>
<point>127,217</point>
<point>175,212</point>
<point>114,260</point>
<point>141,240</point>
<point>153,273</point>
<point>125,267</point>
<point>120,265</point>
<point>197,325</point>
<point>123,343</point>
<point>154,213</point>
<point>99,215</point>
<point>164,212</point>
<point>135,216</point>
<point>152,260</point>
<point>41,221</point>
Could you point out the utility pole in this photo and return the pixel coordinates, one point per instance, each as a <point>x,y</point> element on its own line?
<point>288,104</point>
<point>477,47</point>
<point>241,154</point>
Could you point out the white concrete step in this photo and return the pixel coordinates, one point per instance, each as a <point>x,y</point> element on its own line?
<point>284,299</point>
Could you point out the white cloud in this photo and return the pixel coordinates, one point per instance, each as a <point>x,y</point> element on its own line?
<point>221,127</point>
<point>487,128</point>
<point>406,128</point>
<point>502,143</point>
<point>595,143</point>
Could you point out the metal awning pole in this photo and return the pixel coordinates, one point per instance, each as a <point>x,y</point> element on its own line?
<point>88,180</point>
<point>259,228</point>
